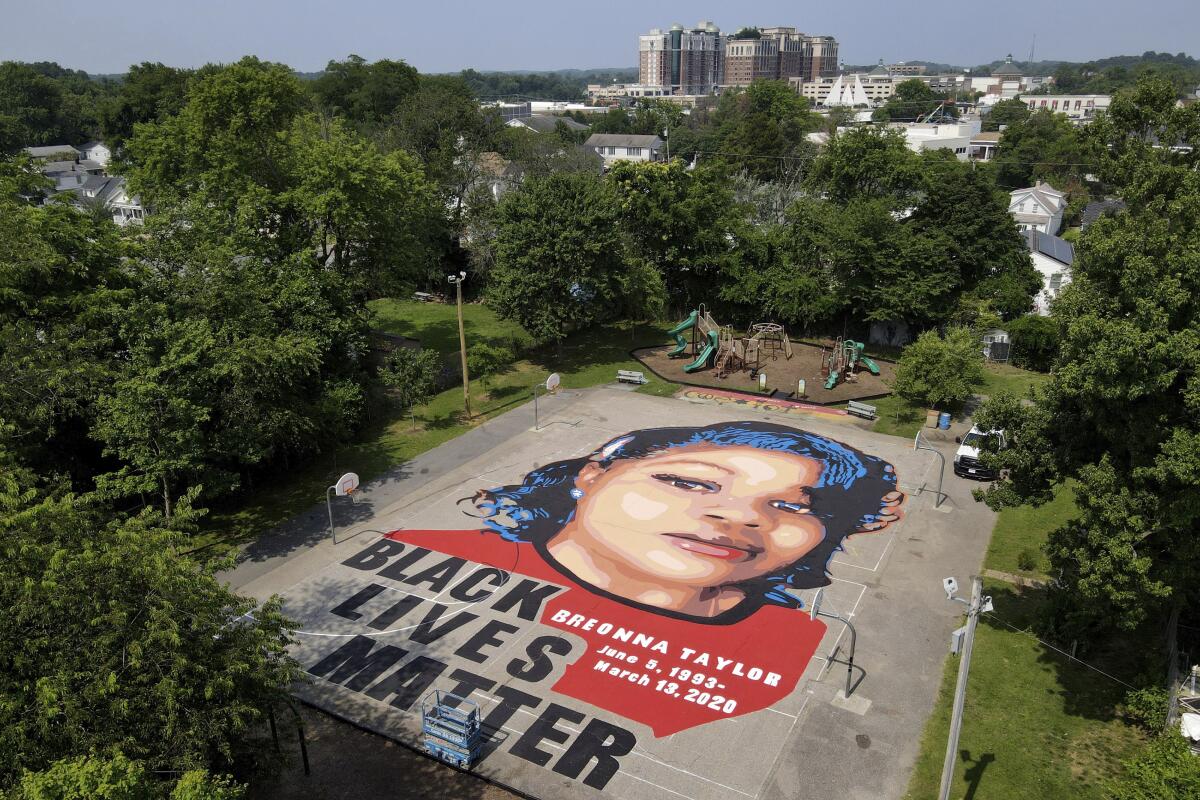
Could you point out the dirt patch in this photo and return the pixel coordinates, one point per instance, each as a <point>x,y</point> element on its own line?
<point>782,375</point>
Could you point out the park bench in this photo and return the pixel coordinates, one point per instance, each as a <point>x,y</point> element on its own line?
<point>861,409</point>
<point>629,376</point>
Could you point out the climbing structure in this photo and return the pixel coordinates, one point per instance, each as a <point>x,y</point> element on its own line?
<point>844,361</point>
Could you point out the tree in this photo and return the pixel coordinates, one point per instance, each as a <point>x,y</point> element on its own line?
<point>1035,342</point>
<point>1047,147</point>
<point>1012,111</point>
<point>115,641</point>
<point>937,371</point>
<point>866,163</point>
<point>762,129</point>
<point>148,92</point>
<point>118,778</point>
<point>485,360</point>
<point>561,260</point>
<point>362,92</point>
<point>1165,770</point>
<point>43,104</point>
<point>1119,413</point>
<point>411,375</point>
<point>679,220</point>
<point>912,100</point>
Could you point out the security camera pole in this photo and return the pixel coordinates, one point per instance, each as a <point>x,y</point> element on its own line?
<point>978,603</point>
<point>462,341</point>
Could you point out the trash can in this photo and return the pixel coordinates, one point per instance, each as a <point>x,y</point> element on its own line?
<point>931,418</point>
<point>944,420</point>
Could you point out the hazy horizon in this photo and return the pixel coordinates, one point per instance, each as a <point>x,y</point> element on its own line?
<point>535,35</point>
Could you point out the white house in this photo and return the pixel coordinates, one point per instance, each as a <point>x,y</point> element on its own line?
<point>95,151</point>
<point>1053,258</point>
<point>613,147</point>
<point>1038,208</point>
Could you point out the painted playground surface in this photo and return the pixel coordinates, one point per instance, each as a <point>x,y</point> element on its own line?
<point>626,594</point>
<point>706,353</point>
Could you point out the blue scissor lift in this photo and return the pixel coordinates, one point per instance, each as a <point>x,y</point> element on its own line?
<point>451,727</point>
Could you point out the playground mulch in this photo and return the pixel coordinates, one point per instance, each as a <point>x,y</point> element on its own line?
<point>782,375</point>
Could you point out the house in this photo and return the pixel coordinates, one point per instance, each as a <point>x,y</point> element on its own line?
<point>1079,108</point>
<point>53,152</point>
<point>96,151</point>
<point>1052,257</point>
<point>1038,208</point>
<point>1100,208</point>
<point>545,123</point>
<point>613,147</point>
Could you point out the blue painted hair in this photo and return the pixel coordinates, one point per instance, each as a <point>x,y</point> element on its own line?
<point>847,494</point>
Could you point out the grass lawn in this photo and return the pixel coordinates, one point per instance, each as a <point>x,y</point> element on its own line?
<point>1007,378</point>
<point>587,359</point>
<point>1036,724</point>
<point>1025,529</point>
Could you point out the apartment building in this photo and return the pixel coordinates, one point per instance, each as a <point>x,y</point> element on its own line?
<point>907,70</point>
<point>688,61</point>
<point>700,60</point>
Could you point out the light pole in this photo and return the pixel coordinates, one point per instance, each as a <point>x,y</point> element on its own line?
<point>667,141</point>
<point>462,340</point>
<point>977,605</point>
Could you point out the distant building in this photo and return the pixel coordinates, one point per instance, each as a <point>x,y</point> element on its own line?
<point>685,61</point>
<point>96,151</point>
<point>956,135</point>
<point>750,59</point>
<point>984,145</point>
<point>509,111</point>
<point>1096,209</point>
<point>779,53</point>
<point>545,123</point>
<point>1052,257</point>
<point>1038,208</point>
<point>616,92</point>
<point>614,147</point>
<point>1079,108</point>
<point>53,152</point>
<point>907,70</point>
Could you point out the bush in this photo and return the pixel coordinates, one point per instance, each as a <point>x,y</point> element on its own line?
<point>1034,342</point>
<point>485,360</point>
<point>1027,560</point>
<point>1147,707</point>
<point>1165,770</point>
<point>938,371</point>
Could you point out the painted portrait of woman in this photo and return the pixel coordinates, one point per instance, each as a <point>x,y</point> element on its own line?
<point>696,537</point>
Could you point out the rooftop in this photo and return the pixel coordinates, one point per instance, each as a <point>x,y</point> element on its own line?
<point>623,140</point>
<point>1053,247</point>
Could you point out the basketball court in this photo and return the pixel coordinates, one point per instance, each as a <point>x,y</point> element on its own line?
<point>586,687</point>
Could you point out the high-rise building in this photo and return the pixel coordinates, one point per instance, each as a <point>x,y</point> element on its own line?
<point>778,53</point>
<point>751,56</point>
<point>689,61</point>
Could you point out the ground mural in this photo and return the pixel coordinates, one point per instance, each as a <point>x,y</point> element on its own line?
<point>652,581</point>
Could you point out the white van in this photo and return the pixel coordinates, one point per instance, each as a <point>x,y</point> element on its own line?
<point>966,459</point>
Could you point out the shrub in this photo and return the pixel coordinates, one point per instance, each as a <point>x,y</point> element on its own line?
<point>939,371</point>
<point>1165,770</point>
<point>1027,560</point>
<point>411,374</point>
<point>1034,342</point>
<point>485,360</point>
<point>1147,707</point>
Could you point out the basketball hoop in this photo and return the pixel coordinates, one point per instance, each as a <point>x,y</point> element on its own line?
<point>345,487</point>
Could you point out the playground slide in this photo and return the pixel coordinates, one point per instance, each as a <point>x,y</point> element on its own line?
<point>832,380</point>
<point>681,343</point>
<point>710,347</point>
<point>871,366</point>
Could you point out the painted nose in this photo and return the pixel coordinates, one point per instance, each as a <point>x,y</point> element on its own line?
<point>742,514</point>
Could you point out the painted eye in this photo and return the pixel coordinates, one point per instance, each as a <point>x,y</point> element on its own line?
<point>791,508</point>
<point>687,484</point>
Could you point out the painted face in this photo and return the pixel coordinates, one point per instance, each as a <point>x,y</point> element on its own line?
<point>698,516</point>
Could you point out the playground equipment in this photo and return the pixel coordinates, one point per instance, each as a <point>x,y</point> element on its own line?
<point>714,345</point>
<point>451,727</point>
<point>844,361</point>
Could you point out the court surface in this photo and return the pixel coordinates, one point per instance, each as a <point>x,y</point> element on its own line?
<point>584,691</point>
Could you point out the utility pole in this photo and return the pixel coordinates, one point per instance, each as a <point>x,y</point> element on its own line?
<point>462,341</point>
<point>978,603</point>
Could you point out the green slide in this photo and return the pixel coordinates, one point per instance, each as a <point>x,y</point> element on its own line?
<point>871,366</point>
<point>706,354</point>
<point>681,343</point>
<point>832,380</point>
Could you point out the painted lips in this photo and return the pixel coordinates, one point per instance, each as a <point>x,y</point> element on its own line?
<point>705,547</point>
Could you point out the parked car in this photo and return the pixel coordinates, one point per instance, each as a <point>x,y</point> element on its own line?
<point>966,459</point>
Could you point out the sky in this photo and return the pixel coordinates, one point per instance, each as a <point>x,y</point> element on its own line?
<point>449,35</point>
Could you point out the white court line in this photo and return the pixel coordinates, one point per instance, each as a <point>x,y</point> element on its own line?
<point>783,745</point>
<point>686,772</point>
<point>656,786</point>
<point>875,568</point>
